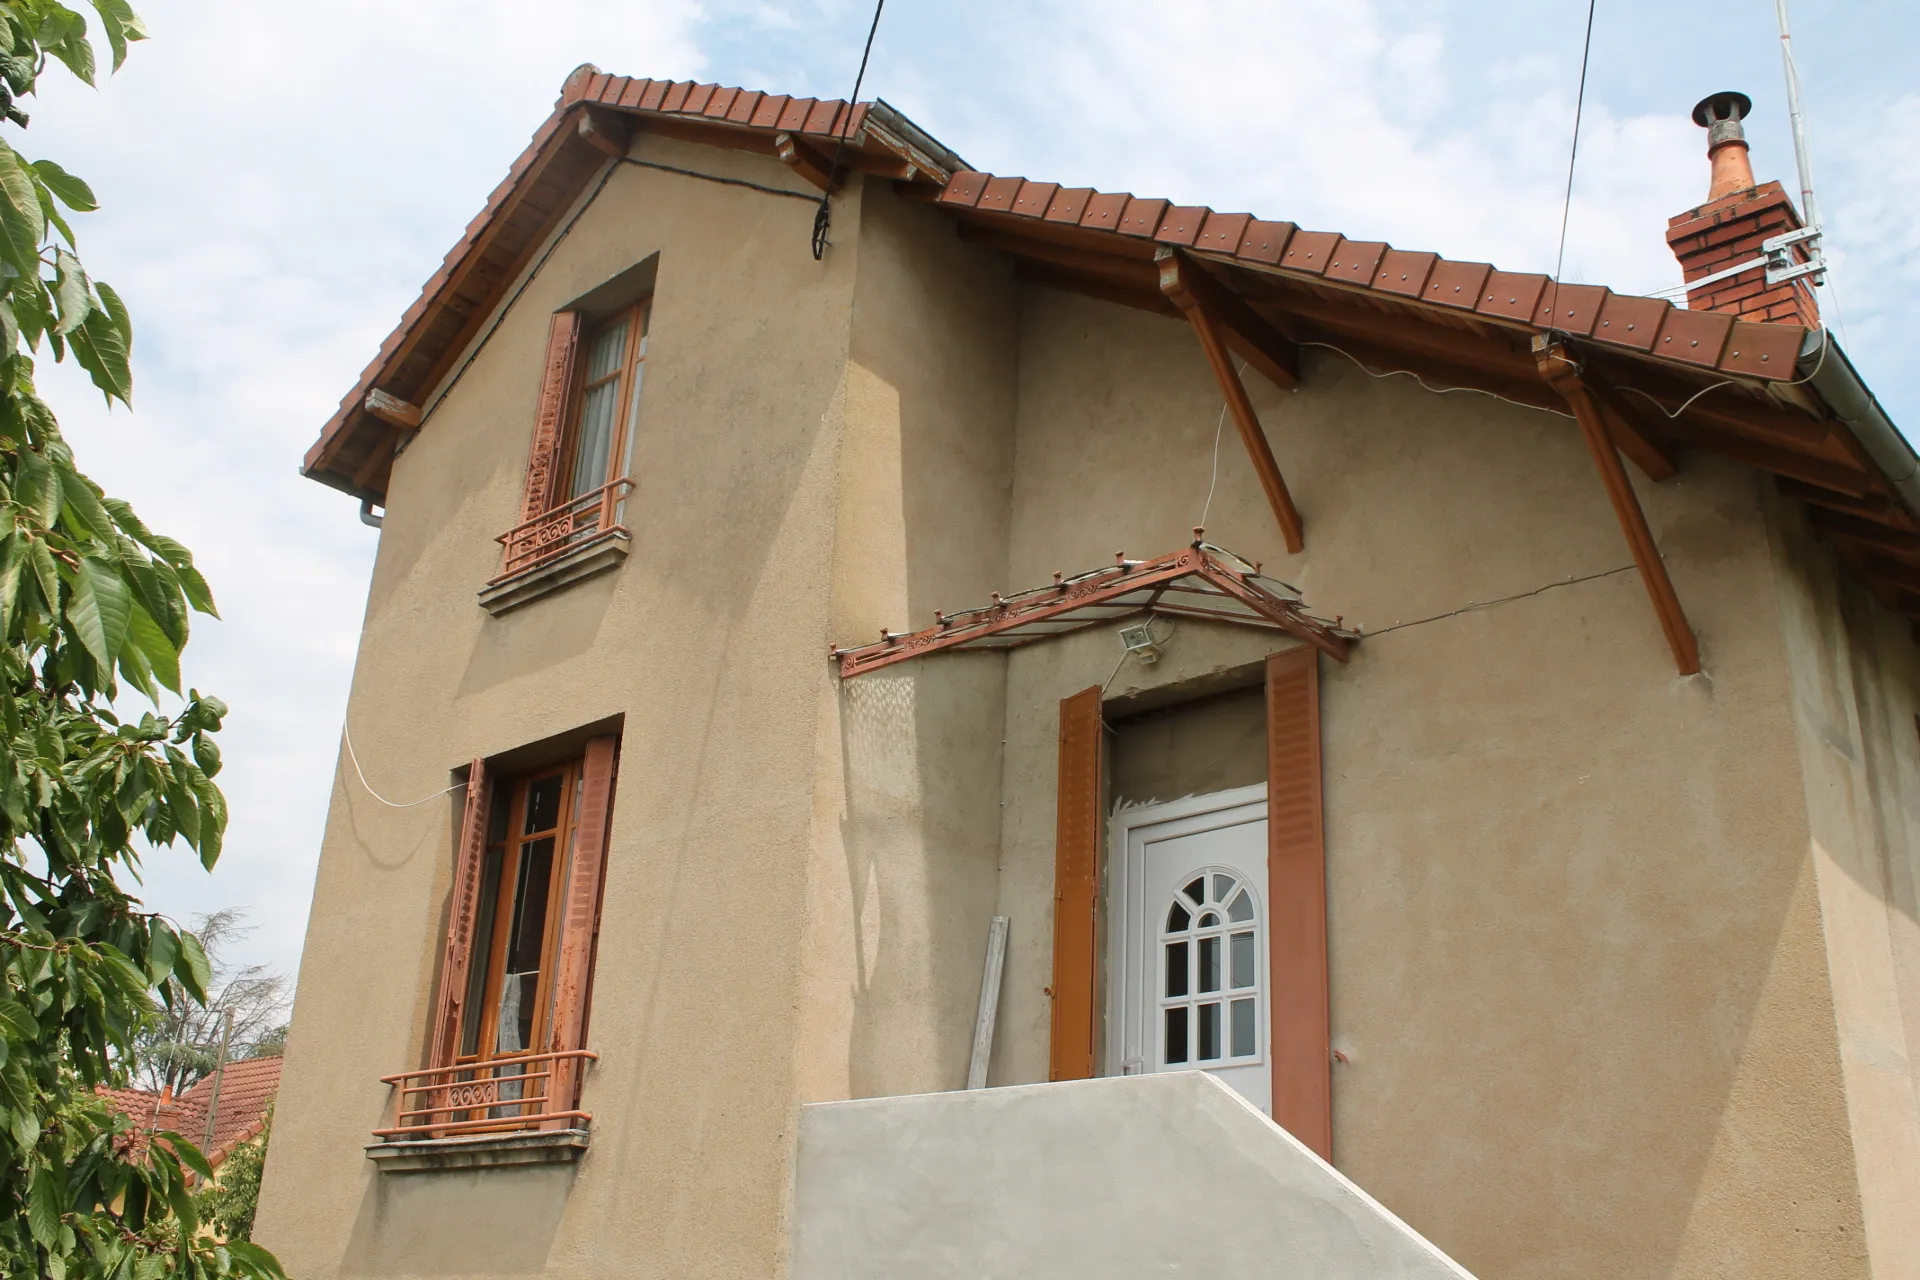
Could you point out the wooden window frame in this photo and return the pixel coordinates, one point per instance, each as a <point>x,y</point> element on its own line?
<point>537,1086</point>
<point>513,849</point>
<point>633,360</point>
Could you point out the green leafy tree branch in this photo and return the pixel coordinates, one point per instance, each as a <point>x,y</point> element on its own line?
<point>90,600</point>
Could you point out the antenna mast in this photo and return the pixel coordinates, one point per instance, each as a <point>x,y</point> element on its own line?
<point>1781,264</point>
<point>1801,160</point>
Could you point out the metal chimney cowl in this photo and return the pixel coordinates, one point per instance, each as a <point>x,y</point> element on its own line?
<point>1720,115</point>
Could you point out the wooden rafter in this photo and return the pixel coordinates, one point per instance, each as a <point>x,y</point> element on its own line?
<point>1886,539</point>
<point>1105,288</point>
<point>392,410</point>
<point>1564,375</point>
<point>607,132</point>
<point>1178,280</point>
<point>1246,331</point>
<point>801,157</point>
<point>1648,448</point>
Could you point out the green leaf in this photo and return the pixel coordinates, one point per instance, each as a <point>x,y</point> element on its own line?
<point>25,1127</point>
<point>117,310</point>
<point>81,501</point>
<point>22,225</point>
<point>13,554</point>
<point>44,572</point>
<point>72,292</point>
<point>14,1018</point>
<point>198,593</point>
<point>101,348</point>
<point>190,967</point>
<point>72,47</point>
<point>206,754</point>
<point>43,1208</point>
<point>122,26</point>
<point>163,948</point>
<point>51,212</point>
<point>189,1154</point>
<point>161,654</point>
<point>213,824</point>
<point>100,610</point>
<point>72,192</point>
<point>37,488</point>
<point>252,1256</point>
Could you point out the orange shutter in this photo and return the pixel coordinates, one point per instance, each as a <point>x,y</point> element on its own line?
<point>1076,882</point>
<point>580,923</point>
<point>556,391</point>
<point>1297,902</point>
<point>466,894</point>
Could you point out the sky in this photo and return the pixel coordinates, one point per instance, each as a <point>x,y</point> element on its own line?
<point>278,180</point>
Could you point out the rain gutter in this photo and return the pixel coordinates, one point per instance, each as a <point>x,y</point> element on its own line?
<point>1848,395</point>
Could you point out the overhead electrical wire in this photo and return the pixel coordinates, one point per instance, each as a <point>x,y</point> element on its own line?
<point>1573,154</point>
<point>823,217</point>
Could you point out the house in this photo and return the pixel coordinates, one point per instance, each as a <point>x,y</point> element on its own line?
<point>220,1112</point>
<point>1491,753</point>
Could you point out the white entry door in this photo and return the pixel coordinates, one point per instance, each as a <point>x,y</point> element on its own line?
<point>1188,944</point>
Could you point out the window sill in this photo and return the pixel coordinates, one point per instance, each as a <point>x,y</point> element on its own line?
<point>478,1151</point>
<point>587,560</point>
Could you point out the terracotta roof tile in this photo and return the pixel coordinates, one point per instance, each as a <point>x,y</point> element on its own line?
<point>1068,204</point>
<point>1034,198</point>
<point>1630,322</point>
<point>1104,210</point>
<point>1353,261</point>
<point>1223,231</point>
<point>1265,241</point>
<point>1310,251</point>
<point>1696,337</point>
<point>1456,284</point>
<point>247,1089</point>
<point>1404,273</point>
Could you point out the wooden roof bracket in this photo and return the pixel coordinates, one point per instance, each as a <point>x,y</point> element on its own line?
<point>1564,375</point>
<point>806,161</point>
<point>1220,316</point>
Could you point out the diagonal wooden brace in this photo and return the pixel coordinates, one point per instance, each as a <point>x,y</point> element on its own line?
<point>1180,281</point>
<point>1563,374</point>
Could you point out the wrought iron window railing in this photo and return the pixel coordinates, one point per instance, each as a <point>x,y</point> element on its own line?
<point>589,518</point>
<point>500,1095</point>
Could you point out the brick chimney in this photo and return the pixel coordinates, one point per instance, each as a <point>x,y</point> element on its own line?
<point>1729,228</point>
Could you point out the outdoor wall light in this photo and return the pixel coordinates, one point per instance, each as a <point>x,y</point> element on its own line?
<point>1137,638</point>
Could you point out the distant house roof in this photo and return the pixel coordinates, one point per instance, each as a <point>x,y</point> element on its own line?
<point>1780,401</point>
<point>247,1090</point>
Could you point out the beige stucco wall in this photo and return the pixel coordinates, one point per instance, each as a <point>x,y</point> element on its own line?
<point>1578,963</point>
<point>711,641</point>
<point>1856,702</point>
<point>1575,945</point>
<point>905,858</point>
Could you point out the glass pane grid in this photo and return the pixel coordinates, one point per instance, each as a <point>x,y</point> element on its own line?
<point>1210,974</point>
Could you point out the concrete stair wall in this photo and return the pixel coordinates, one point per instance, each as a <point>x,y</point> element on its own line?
<point>1160,1175</point>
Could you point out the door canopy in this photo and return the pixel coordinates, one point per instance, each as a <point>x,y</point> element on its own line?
<point>1199,581</point>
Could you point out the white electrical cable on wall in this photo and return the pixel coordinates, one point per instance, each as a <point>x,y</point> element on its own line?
<point>347,735</point>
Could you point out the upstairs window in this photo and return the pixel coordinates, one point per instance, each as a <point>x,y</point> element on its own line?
<point>600,439</point>
<point>573,508</point>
